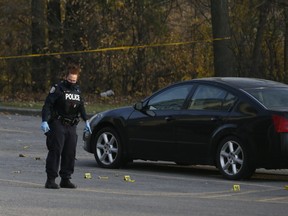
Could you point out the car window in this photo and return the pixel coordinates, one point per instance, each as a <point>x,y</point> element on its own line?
<point>211,98</point>
<point>170,99</point>
<point>271,97</point>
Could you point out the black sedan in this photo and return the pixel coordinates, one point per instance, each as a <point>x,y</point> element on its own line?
<point>235,124</point>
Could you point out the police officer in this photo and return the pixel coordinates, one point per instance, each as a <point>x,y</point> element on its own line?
<point>60,116</point>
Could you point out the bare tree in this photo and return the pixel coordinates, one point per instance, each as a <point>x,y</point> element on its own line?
<point>38,44</point>
<point>55,37</point>
<point>256,58</point>
<point>284,3</point>
<point>223,55</point>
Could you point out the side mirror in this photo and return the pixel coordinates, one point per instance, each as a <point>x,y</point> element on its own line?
<point>138,106</point>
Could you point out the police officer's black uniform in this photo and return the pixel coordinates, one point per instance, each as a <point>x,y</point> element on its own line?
<point>61,110</point>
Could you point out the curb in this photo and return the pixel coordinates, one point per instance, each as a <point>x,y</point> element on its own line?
<point>20,111</point>
<point>27,111</point>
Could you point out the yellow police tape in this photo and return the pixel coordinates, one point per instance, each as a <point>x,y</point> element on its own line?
<point>111,49</point>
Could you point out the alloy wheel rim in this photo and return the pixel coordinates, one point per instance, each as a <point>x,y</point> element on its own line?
<point>107,148</point>
<point>231,158</point>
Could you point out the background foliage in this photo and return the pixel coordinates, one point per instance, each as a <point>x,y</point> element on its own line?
<point>257,30</point>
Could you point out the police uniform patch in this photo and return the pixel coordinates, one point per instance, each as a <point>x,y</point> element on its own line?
<point>52,90</point>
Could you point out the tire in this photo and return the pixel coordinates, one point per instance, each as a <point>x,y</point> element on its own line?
<point>233,159</point>
<point>108,148</point>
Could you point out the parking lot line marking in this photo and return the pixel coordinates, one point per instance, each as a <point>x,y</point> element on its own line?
<point>274,199</point>
<point>17,131</point>
<point>190,178</point>
<point>229,194</point>
<point>20,182</point>
<point>204,195</point>
<point>147,193</point>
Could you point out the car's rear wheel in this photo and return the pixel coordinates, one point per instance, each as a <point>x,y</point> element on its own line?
<point>233,159</point>
<point>108,148</point>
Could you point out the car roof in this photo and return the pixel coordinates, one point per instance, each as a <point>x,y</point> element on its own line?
<point>243,82</point>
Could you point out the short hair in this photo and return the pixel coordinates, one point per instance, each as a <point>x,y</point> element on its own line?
<point>73,69</point>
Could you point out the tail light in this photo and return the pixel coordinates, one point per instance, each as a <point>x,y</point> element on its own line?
<point>280,123</point>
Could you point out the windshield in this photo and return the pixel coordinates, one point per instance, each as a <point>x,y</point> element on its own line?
<point>271,98</point>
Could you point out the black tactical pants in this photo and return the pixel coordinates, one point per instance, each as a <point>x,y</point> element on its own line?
<point>61,143</point>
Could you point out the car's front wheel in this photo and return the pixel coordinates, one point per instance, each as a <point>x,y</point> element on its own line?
<point>108,148</point>
<point>233,159</point>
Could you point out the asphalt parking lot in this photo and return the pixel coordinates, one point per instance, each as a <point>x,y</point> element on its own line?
<point>154,189</point>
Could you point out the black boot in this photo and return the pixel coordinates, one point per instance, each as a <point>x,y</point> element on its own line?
<point>50,184</point>
<point>66,183</point>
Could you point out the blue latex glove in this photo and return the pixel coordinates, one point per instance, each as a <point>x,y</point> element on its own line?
<point>87,127</point>
<point>45,127</point>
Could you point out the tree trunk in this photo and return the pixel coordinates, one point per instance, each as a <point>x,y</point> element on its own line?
<point>72,27</point>
<point>286,46</point>
<point>55,37</point>
<point>256,58</point>
<point>38,44</point>
<point>223,55</point>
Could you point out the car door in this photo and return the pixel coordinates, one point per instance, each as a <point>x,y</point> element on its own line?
<point>151,131</point>
<point>207,110</point>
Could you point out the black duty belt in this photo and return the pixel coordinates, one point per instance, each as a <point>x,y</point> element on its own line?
<point>68,121</point>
